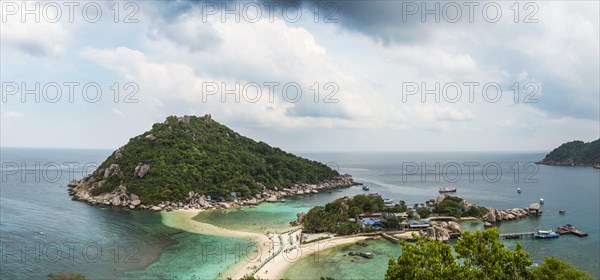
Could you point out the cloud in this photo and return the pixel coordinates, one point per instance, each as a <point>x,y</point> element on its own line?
<point>117,112</point>
<point>41,38</point>
<point>11,115</point>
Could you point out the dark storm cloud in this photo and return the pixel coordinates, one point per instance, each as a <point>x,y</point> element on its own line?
<point>384,21</point>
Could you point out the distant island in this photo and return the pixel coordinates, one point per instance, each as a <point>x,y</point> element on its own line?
<point>575,153</point>
<point>192,162</point>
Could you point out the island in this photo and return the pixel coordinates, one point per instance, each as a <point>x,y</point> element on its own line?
<point>368,214</point>
<point>575,153</point>
<point>192,162</point>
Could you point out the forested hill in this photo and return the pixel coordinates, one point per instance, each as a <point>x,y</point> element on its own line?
<point>575,153</point>
<point>198,154</point>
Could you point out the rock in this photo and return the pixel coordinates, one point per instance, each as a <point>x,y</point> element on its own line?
<point>141,170</point>
<point>151,138</point>
<point>113,169</point>
<point>454,226</point>
<point>155,208</point>
<point>118,154</point>
<point>116,201</point>
<point>185,119</point>
<point>191,194</point>
<point>131,207</point>
<point>272,198</point>
<point>133,197</point>
<point>534,206</point>
<point>135,202</point>
<point>73,183</point>
<point>252,201</point>
<point>225,205</point>
<point>490,217</point>
<point>487,224</point>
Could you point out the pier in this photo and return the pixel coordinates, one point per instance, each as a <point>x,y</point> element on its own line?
<point>516,235</point>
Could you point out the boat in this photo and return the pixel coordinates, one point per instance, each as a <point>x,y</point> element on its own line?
<point>562,211</point>
<point>388,202</point>
<point>374,195</point>
<point>447,190</point>
<point>541,201</point>
<point>365,188</point>
<point>518,190</point>
<point>546,234</point>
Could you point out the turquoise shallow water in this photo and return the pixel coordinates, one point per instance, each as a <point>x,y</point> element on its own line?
<point>100,243</point>
<point>121,244</point>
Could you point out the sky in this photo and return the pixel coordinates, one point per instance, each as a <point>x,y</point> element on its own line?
<point>320,76</point>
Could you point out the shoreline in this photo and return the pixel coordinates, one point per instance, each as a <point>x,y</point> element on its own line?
<point>275,268</point>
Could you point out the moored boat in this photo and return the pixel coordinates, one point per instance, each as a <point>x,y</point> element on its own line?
<point>518,190</point>
<point>546,234</point>
<point>388,202</point>
<point>365,188</point>
<point>447,190</point>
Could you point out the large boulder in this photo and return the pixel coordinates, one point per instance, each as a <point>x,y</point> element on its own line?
<point>151,138</point>
<point>133,197</point>
<point>454,226</point>
<point>490,217</point>
<point>113,169</point>
<point>141,170</point>
<point>116,201</point>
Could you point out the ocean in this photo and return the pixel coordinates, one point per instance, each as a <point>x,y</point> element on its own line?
<point>43,231</point>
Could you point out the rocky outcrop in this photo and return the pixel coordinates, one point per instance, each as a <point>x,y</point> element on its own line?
<point>141,170</point>
<point>113,169</point>
<point>437,232</point>
<point>496,215</point>
<point>82,189</point>
<point>151,138</point>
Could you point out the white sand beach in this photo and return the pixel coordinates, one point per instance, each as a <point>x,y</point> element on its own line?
<point>267,245</point>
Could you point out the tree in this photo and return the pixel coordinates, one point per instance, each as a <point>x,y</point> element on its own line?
<point>553,268</point>
<point>427,259</point>
<point>480,255</point>
<point>423,212</point>
<point>485,257</point>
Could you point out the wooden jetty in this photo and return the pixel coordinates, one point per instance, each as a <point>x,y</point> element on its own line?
<point>516,235</point>
<point>569,229</point>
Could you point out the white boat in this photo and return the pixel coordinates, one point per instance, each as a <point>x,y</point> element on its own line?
<point>388,202</point>
<point>545,234</point>
<point>541,201</point>
<point>447,190</point>
<point>519,190</point>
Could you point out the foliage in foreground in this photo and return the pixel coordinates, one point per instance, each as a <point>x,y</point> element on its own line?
<point>478,255</point>
<point>553,268</point>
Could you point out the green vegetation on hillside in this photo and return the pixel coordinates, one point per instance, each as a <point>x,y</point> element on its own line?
<point>206,157</point>
<point>478,255</point>
<point>575,153</point>
<point>335,216</point>
<point>453,206</point>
